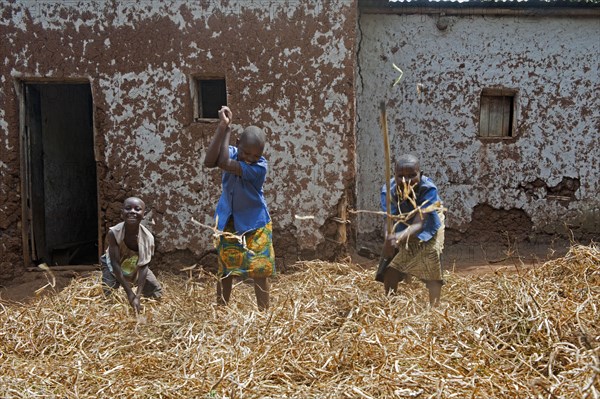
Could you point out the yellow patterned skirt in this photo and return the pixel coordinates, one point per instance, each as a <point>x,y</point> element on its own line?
<point>257,261</point>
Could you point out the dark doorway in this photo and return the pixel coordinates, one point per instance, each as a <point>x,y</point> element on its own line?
<point>60,173</point>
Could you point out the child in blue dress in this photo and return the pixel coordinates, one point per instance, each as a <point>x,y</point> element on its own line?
<point>242,210</point>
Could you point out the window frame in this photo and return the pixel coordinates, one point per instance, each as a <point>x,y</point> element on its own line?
<point>500,93</point>
<point>195,89</point>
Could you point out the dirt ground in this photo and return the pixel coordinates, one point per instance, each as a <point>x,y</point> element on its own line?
<point>24,287</point>
<point>471,259</point>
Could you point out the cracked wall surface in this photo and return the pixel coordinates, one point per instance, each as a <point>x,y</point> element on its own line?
<point>548,172</point>
<point>289,67</point>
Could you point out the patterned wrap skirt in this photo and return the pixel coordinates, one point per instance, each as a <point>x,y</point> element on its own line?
<point>422,259</point>
<point>257,261</point>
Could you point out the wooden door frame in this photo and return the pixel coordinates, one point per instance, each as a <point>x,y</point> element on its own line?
<point>24,162</point>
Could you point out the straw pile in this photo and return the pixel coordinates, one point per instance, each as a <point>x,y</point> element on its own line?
<point>330,333</point>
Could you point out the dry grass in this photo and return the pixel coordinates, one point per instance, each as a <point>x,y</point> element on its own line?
<point>329,334</point>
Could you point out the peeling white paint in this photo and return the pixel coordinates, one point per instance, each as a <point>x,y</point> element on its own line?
<point>145,108</point>
<point>251,67</point>
<point>550,61</point>
<point>4,132</point>
<point>335,49</point>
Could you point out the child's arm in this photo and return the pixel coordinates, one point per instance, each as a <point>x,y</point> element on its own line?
<point>220,140</point>
<point>115,261</point>
<point>224,161</point>
<point>394,240</point>
<point>141,280</point>
<point>217,153</point>
<point>413,229</point>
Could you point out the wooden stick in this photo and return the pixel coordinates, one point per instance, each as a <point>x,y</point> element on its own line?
<point>218,233</point>
<point>388,172</point>
<point>66,268</point>
<point>383,263</point>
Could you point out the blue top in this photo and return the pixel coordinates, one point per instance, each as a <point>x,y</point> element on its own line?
<point>243,196</point>
<point>425,191</point>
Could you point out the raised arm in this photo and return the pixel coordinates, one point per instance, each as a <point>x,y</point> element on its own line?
<point>224,161</point>
<point>220,140</point>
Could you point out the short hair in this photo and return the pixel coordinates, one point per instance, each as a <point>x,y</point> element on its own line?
<point>136,199</point>
<point>408,159</point>
<point>254,135</point>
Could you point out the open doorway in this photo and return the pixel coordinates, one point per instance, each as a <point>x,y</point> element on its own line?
<point>61,204</point>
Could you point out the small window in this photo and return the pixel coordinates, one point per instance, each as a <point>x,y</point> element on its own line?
<point>209,95</point>
<point>496,118</point>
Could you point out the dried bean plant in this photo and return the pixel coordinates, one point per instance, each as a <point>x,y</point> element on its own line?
<point>330,333</point>
<point>406,192</point>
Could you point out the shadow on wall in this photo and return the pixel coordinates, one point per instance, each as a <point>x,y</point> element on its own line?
<point>494,226</point>
<point>498,233</point>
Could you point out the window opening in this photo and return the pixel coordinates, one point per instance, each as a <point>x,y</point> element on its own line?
<point>210,94</point>
<point>496,117</point>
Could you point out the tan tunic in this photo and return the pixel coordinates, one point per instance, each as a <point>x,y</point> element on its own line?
<point>131,260</point>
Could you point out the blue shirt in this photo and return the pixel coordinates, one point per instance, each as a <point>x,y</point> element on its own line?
<point>425,191</point>
<point>243,197</point>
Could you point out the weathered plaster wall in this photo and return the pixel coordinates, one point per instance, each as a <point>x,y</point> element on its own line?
<point>434,113</point>
<point>289,67</point>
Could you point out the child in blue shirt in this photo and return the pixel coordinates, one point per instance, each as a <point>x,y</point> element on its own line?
<point>242,210</point>
<point>415,247</point>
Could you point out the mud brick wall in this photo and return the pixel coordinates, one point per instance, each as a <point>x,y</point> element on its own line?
<point>288,65</point>
<point>542,181</point>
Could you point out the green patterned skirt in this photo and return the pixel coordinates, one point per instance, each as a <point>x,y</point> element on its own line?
<point>257,261</point>
<point>421,259</point>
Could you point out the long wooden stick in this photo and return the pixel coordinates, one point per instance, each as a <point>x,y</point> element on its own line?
<point>383,263</point>
<point>388,167</point>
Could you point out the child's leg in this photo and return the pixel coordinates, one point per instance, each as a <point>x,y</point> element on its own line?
<point>224,290</point>
<point>435,291</point>
<point>261,289</point>
<point>152,288</point>
<point>391,278</point>
<point>109,281</point>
